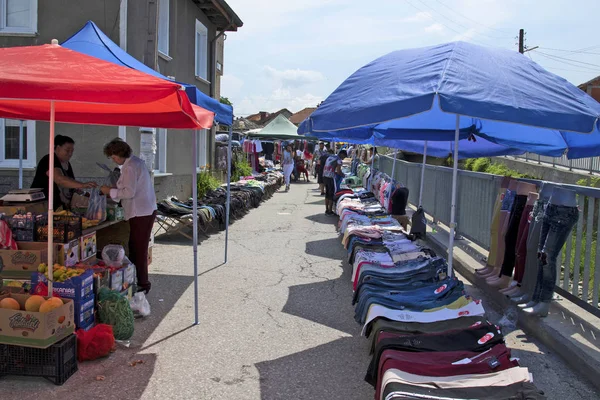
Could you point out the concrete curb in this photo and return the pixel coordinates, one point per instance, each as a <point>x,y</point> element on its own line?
<point>581,361</point>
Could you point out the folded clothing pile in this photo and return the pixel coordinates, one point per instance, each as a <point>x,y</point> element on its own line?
<point>428,338</point>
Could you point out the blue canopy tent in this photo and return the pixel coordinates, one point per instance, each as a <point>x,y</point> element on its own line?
<point>467,80</point>
<point>92,41</point>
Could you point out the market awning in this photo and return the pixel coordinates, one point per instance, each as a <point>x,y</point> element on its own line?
<point>279,128</point>
<point>86,90</point>
<point>92,41</point>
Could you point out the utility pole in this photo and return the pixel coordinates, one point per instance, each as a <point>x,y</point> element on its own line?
<point>522,41</point>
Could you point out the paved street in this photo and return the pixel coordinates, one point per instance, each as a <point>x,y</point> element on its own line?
<point>276,321</point>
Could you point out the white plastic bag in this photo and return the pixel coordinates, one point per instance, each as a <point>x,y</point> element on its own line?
<point>113,255</point>
<point>97,206</point>
<point>139,305</point>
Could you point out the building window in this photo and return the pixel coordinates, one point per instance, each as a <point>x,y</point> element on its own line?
<point>201,51</point>
<point>202,149</point>
<point>18,16</point>
<point>9,143</point>
<point>163,27</point>
<point>160,157</point>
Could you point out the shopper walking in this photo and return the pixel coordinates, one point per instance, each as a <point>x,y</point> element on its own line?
<point>288,165</point>
<point>332,177</point>
<point>319,153</point>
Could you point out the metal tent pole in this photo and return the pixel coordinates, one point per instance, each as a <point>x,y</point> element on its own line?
<point>195,221</point>
<point>423,174</point>
<point>21,154</point>
<point>228,203</point>
<point>394,165</point>
<point>453,202</point>
<point>51,200</point>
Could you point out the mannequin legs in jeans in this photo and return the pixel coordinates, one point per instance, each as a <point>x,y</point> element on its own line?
<point>557,225</point>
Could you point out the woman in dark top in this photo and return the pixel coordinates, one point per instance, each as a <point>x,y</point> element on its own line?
<point>64,178</point>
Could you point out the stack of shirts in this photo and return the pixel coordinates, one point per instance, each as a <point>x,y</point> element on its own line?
<point>428,338</point>
<point>245,195</point>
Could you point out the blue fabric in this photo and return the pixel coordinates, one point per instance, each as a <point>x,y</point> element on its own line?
<point>481,82</point>
<point>511,100</point>
<point>466,148</point>
<point>92,41</point>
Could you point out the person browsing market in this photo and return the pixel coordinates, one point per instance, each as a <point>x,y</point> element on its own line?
<point>136,193</point>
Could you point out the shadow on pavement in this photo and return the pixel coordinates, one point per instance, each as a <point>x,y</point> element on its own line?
<point>328,303</point>
<point>326,248</point>
<point>116,373</point>
<point>328,371</point>
<point>323,218</point>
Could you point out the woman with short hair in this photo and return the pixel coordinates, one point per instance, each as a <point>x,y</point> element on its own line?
<point>136,193</point>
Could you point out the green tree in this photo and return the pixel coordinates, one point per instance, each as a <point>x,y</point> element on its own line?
<point>225,100</point>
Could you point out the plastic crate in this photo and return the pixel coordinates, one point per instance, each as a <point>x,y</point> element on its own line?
<point>66,228</point>
<point>23,226</point>
<point>57,363</point>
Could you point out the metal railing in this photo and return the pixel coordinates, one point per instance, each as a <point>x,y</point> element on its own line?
<point>590,164</point>
<point>476,194</point>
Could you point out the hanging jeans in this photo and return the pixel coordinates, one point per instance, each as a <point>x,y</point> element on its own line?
<point>287,171</point>
<point>558,222</point>
<point>533,240</point>
<point>510,240</point>
<point>522,243</point>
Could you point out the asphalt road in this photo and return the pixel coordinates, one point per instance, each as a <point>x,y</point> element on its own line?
<point>276,321</point>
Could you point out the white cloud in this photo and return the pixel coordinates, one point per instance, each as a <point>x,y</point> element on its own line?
<point>276,100</point>
<point>418,17</point>
<point>231,86</point>
<point>293,77</point>
<point>434,28</point>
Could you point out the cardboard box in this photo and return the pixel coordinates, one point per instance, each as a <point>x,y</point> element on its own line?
<point>116,280</point>
<point>35,329</point>
<point>76,288</point>
<point>101,275</point>
<point>84,312</point>
<point>36,207</point>
<point>88,246</point>
<point>19,264</point>
<point>67,254</point>
<point>115,214</point>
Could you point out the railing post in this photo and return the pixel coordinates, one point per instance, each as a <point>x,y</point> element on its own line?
<point>571,165</point>
<point>539,159</point>
<point>553,162</point>
<point>591,165</point>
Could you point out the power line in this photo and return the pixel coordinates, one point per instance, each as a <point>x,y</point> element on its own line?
<point>471,19</point>
<point>441,23</point>
<point>457,23</point>
<point>583,67</point>
<point>569,59</point>
<point>559,69</point>
<point>570,51</point>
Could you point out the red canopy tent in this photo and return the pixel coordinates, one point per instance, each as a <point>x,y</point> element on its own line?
<point>51,83</point>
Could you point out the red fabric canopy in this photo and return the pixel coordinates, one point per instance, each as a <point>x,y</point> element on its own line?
<point>87,90</point>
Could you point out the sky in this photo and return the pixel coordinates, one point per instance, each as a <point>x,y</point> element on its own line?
<point>293,53</point>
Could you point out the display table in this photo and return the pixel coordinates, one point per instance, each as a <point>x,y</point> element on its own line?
<point>110,232</point>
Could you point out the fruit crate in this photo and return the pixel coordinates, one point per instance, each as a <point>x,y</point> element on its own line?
<point>66,228</point>
<point>57,363</point>
<point>23,226</point>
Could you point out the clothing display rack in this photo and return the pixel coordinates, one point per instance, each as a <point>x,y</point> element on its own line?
<point>428,338</point>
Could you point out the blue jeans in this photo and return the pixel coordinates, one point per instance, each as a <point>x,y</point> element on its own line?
<point>507,201</point>
<point>557,225</point>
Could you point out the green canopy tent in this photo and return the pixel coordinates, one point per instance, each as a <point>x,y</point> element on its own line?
<point>280,128</point>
